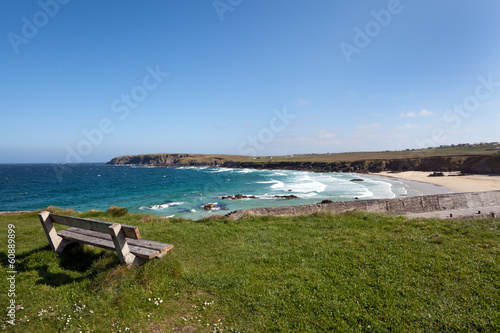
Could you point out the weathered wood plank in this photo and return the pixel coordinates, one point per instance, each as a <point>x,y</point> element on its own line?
<point>158,246</point>
<point>144,253</point>
<point>130,231</point>
<point>106,244</point>
<point>162,247</point>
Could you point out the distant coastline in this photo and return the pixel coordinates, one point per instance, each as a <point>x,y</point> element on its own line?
<point>470,164</point>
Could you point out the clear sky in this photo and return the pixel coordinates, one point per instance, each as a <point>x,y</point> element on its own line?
<point>90,80</point>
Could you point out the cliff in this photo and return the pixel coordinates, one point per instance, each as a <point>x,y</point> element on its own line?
<point>476,164</point>
<point>168,160</point>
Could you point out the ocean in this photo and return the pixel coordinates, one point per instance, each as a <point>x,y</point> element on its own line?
<point>182,191</point>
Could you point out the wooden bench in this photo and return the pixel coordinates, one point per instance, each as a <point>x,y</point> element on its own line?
<point>124,239</point>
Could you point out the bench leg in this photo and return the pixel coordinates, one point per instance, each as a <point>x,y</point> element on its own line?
<point>124,254</point>
<point>57,243</point>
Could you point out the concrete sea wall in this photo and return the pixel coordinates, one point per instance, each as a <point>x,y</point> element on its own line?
<point>399,206</point>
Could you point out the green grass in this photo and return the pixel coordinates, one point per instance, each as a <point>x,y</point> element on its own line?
<point>356,272</point>
<point>386,155</point>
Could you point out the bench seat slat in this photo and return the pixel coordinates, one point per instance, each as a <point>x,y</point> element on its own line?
<point>130,231</point>
<point>140,252</point>
<point>157,246</point>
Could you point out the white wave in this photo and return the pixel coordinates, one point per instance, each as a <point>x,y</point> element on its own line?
<point>193,210</point>
<point>215,203</point>
<point>276,183</point>
<point>169,216</point>
<point>306,195</point>
<point>162,206</point>
<point>191,168</point>
<point>277,174</point>
<point>243,171</point>
<point>267,196</point>
<point>381,189</point>
<point>364,193</point>
<point>272,196</point>
<point>307,187</point>
<point>218,170</point>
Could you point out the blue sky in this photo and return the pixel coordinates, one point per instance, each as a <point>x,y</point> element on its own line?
<point>84,81</point>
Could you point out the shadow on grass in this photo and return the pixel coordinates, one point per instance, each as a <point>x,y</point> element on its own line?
<point>74,264</point>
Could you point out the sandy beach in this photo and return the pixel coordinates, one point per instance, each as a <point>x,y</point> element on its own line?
<point>469,183</point>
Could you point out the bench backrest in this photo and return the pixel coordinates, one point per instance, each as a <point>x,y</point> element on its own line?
<point>129,231</point>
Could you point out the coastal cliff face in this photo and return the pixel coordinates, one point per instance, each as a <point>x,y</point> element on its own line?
<point>167,160</point>
<point>489,164</point>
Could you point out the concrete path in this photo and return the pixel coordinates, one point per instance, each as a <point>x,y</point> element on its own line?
<point>492,211</point>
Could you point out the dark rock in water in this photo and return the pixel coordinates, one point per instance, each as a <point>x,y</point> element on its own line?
<point>356,198</point>
<point>357,180</point>
<point>235,197</point>
<point>239,197</point>
<point>436,174</point>
<point>286,197</point>
<point>209,206</point>
<point>289,190</point>
<point>326,201</point>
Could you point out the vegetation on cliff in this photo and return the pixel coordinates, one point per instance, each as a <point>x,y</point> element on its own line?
<point>480,160</point>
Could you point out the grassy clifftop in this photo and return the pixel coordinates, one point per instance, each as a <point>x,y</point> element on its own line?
<point>353,272</point>
<point>477,159</point>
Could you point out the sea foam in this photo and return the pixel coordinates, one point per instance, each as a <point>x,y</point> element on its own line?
<point>162,206</point>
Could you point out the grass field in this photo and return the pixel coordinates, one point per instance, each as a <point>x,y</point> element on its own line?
<point>386,155</point>
<point>356,272</point>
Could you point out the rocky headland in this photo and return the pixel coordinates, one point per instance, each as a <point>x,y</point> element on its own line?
<point>472,164</point>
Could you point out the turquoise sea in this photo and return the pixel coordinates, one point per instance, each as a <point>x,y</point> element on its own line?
<point>179,191</point>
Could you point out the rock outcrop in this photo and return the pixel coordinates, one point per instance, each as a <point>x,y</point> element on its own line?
<point>168,160</point>
<point>286,197</point>
<point>239,197</point>
<point>209,206</point>
<point>480,164</point>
